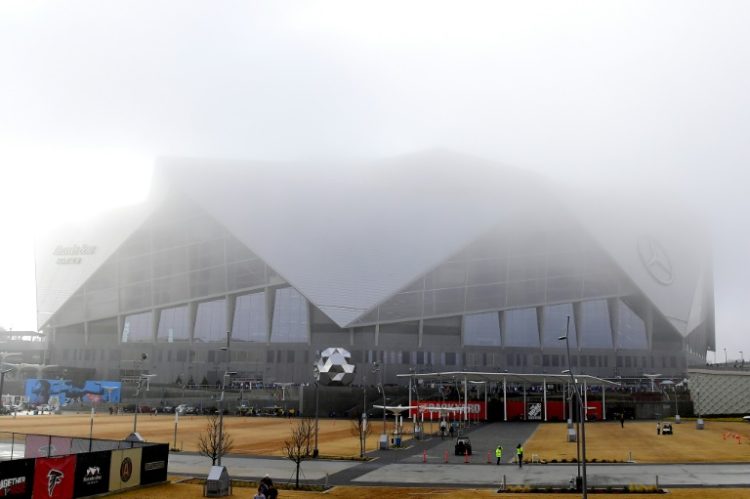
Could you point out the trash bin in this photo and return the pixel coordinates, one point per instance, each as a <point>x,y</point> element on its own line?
<point>571,435</point>
<point>398,441</point>
<point>699,424</point>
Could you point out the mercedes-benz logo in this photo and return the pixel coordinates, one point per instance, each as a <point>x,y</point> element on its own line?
<point>655,259</point>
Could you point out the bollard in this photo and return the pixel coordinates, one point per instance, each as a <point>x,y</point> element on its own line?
<point>466,457</point>
<point>657,481</point>
<point>325,485</point>
<point>445,456</point>
<point>424,456</point>
<point>505,484</point>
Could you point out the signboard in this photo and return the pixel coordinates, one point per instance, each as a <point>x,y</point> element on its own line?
<point>477,410</point>
<point>54,477</point>
<point>92,474</point>
<point>16,478</point>
<point>154,461</point>
<point>63,392</point>
<point>125,469</point>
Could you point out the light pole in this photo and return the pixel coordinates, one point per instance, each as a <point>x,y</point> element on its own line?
<point>221,413</point>
<point>376,369</point>
<point>141,379</point>
<point>742,359</point>
<point>725,357</point>
<point>316,377</point>
<point>580,407</point>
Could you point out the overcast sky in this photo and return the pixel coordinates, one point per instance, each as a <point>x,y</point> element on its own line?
<point>648,96</point>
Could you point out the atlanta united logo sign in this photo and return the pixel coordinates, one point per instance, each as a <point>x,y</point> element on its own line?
<point>126,469</point>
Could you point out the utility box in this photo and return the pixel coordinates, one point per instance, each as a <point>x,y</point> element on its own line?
<point>571,435</point>
<point>217,483</point>
<point>699,424</point>
<point>384,441</point>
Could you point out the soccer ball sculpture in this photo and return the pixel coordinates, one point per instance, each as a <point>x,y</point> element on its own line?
<point>335,368</point>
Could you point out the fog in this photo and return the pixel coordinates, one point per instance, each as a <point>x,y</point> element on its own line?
<point>642,98</point>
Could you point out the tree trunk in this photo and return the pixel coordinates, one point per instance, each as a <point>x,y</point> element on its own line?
<point>296,486</point>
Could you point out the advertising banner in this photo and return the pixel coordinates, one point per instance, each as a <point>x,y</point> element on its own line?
<point>59,392</point>
<point>477,409</point>
<point>125,469</point>
<point>16,478</point>
<point>46,446</point>
<point>534,411</point>
<point>54,477</point>
<point>92,474</point>
<point>154,461</point>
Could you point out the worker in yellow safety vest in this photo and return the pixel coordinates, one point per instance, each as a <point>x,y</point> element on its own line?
<point>499,453</point>
<point>519,455</point>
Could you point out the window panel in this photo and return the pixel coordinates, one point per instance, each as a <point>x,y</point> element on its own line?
<point>402,306</point>
<point>137,328</point>
<point>569,288</point>
<point>210,322</point>
<point>250,322</point>
<point>521,328</point>
<point>482,329</point>
<point>631,329</point>
<point>555,321</point>
<point>207,282</point>
<point>444,301</point>
<point>170,262</point>
<point>247,274</point>
<point>526,293</point>
<point>448,275</point>
<point>486,297</point>
<point>171,289</point>
<point>595,325</point>
<point>174,325</point>
<point>290,317</point>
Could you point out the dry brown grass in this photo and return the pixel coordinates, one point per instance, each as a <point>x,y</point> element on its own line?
<point>606,440</point>
<point>251,435</point>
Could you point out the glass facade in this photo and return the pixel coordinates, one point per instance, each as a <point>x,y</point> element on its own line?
<point>181,280</point>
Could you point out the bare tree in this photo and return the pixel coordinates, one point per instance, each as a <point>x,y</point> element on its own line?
<point>300,446</point>
<point>361,427</point>
<point>208,441</point>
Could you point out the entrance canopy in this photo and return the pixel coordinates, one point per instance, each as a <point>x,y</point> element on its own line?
<point>479,377</point>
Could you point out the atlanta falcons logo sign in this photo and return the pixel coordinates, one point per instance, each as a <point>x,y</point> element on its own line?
<point>54,477</point>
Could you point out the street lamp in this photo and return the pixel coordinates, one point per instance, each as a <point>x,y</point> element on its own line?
<point>221,413</point>
<point>581,408</point>
<point>725,357</point>
<point>141,379</point>
<point>742,359</point>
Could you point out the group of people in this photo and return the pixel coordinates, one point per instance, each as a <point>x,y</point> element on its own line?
<point>266,490</point>
<point>519,454</point>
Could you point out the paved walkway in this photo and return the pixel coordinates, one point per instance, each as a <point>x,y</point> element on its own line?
<point>405,466</point>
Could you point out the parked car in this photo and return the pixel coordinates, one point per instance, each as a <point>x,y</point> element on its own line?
<point>666,429</point>
<point>463,446</point>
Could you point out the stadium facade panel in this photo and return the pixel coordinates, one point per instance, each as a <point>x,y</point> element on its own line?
<point>431,261</point>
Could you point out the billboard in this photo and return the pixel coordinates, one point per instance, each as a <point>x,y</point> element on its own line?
<point>60,392</point>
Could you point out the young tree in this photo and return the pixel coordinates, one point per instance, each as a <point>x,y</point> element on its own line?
<point>300,446</point>
<point>208,441</point>
<point>361,428</point>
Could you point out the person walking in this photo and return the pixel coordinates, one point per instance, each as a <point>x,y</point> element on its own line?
<point>622,420</point>
<point>658,427</point>
<point>499,453</point>
<point>519,455</point>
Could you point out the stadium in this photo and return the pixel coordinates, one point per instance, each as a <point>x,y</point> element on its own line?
<point>432,261</point>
